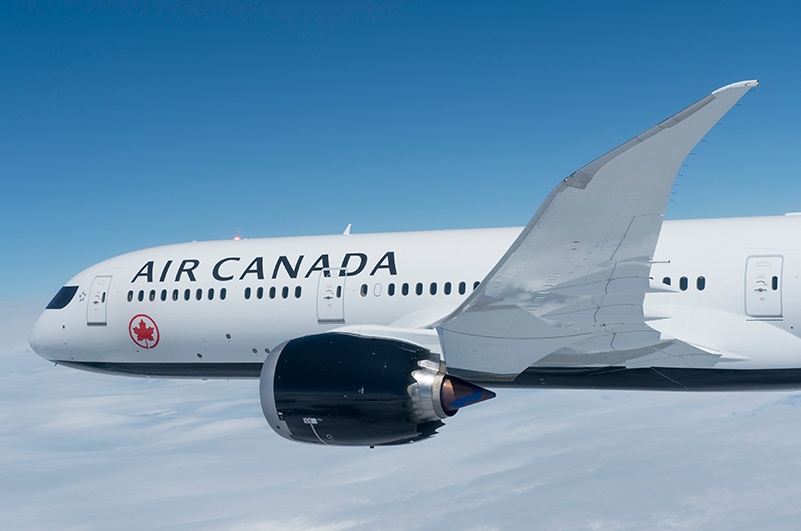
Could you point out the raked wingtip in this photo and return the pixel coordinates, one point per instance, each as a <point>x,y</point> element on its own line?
<point>753,83</point>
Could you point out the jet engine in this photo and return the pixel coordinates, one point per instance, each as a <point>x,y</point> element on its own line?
<point>350,390</point>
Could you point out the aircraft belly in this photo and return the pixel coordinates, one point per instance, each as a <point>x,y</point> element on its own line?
<point>656,378</point>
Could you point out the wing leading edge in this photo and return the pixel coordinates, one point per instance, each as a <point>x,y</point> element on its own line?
<point>574,281</point>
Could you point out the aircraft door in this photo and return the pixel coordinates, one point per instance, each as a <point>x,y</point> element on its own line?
<point>763,286</point>
<point>331,296</point>
<point>98,299</point>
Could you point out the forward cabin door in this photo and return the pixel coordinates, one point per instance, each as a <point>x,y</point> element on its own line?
<point>98,299</point>
<point>763,286</point>
<point>331,296</point>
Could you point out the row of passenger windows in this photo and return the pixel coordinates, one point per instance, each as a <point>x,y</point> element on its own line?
<point>684,283</point>
<point>700,283</point>
<point>200,294</point>
<point>284,293</point>
<point>272,292</point>
<point>419,288</point>
<point>176,294</point>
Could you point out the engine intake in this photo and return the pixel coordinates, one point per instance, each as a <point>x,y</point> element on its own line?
<point>349,390</point>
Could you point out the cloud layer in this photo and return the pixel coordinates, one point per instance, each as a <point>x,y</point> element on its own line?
<point>84,451</point>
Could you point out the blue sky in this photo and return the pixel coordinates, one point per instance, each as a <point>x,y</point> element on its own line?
<point>129,126</point>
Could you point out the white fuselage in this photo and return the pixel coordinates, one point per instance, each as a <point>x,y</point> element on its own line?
<point>734,292</point>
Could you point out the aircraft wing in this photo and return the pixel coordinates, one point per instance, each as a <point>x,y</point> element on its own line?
<point>575,279</point>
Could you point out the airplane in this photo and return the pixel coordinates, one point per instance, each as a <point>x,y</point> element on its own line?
<point>375,339</point>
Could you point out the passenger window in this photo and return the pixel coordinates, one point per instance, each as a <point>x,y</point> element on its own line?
<point>462,288</point>
<point>363,291</point>
<point>432,289</point>
<point>272,292</point>
<point>187,294</point>
<point>377,290</point>
<point>683,283</point>
<point>774,283</point>
<point>164,295</point>
<point>199,294</point>
<point>260,293</point>
<point>700,283</point>
<point>339,292</point>
<point>223,293</point>
<point>447,288</point>
<point>391,289</point>
<point>297,292</point>
<point>666,281</point>
<point>419,288</point>
<point>284,292</point>
<point>475,285</point>
<point>405,289</point>
<point>130,296</point>
<point>247,293</point>
<point>211,294</point>
<point>175,294</point>
<point>152,295</point>
<point>141,296</point>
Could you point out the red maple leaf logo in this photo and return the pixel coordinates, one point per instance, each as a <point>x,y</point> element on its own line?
<point>143,332</point>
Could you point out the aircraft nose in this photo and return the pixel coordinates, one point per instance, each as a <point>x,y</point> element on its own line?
<point>44,338</point>
<point>48,337</point>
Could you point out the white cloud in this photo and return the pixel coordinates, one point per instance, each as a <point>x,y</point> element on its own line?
<point>85,451</point>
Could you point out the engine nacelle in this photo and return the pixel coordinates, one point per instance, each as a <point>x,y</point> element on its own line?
<point>350,390</point>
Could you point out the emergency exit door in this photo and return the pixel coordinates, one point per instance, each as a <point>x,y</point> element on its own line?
<point>98,299</point>
<point>331,296</point>
<point>763,286</point>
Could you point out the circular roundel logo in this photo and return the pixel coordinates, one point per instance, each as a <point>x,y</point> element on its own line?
<point>143,331</point>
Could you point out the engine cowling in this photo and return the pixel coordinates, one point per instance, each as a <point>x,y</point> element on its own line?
<point>349,390</point>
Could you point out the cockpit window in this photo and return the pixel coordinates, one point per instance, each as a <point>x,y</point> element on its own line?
<point>62,298</point>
